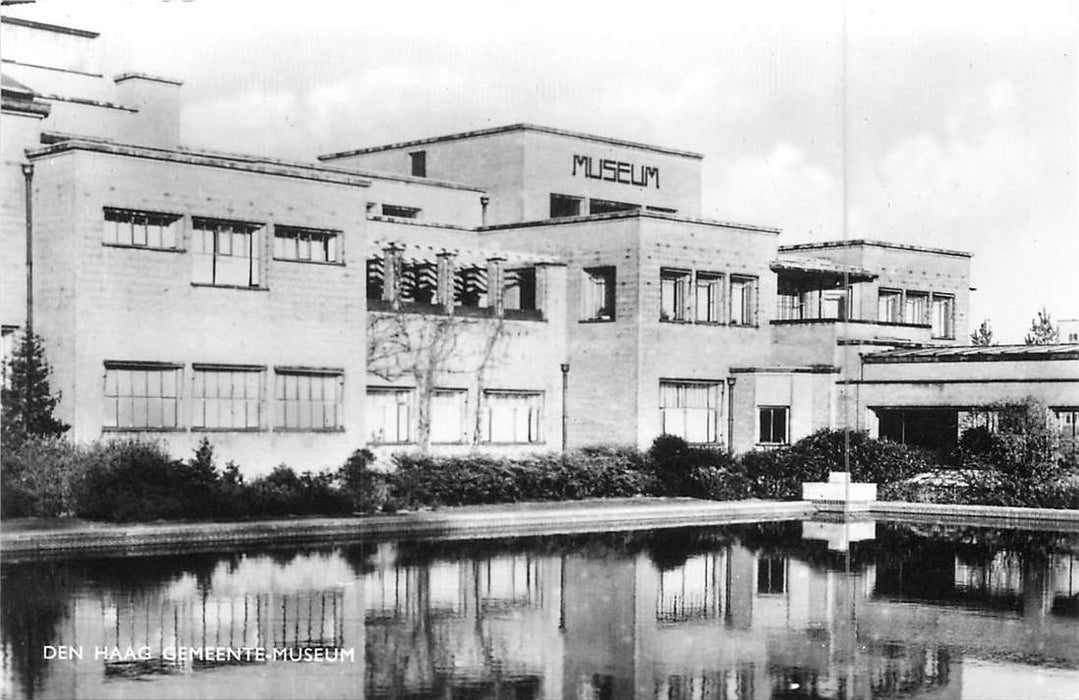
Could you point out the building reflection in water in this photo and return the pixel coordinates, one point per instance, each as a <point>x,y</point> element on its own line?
<point>746,612</point>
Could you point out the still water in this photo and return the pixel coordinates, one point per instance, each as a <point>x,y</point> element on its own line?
<point>769,610</point>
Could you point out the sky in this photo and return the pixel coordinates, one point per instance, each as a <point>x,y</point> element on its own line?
<point>945,124</point>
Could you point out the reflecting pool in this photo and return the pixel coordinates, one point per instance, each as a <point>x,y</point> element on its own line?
<point>768,610</point>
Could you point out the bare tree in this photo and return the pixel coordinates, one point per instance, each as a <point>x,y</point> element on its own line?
<point>427,347</point>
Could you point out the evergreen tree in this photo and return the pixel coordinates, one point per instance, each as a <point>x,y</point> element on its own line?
<point>27,399</point>
<point>1042,330</point>
<point>983,337</point>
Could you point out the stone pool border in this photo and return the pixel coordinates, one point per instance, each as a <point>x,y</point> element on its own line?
<point>450,523</point>
<point>488,521</point>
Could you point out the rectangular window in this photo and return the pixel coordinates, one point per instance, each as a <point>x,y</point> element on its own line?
<point>771,575</point>
<point>674,294</point>
<point>388,415</point>
<point>943,316</point>
<point>309,399</point>
<point>227,398</point>
<point>709,297</point>
<point>834,304</point>
<point>565,205</point>
<point>743,301</point>
<point>142,395</point>
<point>448,417</point>
<point>606,206</point>
<point>143,229</point>
<point>512,416</point>
<point>773,425</point>
<point>307,244</point>
<point>226,253</point>
<point>400,212</point>
<point>690,410</point>
<point>916,308</point>
<point>889,306</point>
<point>789,301</point>
<point>419,163</point>
<point>597,294</point>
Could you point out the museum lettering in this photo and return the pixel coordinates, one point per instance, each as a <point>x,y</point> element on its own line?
<point>616,171</point>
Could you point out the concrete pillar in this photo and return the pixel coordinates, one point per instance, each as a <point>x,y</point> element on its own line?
<point>447,263</point>
<point>496,284</point>
<point>391,274</point>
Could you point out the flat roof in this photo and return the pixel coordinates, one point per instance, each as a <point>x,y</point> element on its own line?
<point>506,129</point>
<point>990,353</point>
<point>630,214</point>
<point>228,161</point>
<point>133,75</point>
<point>59,29</point>
<point>868,242</point>
<point>821,266</point>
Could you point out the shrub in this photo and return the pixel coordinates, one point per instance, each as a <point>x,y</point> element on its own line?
<point>702,472</point>
<point>38,478</point>
<point>130,480</point>
<point>284,492</point>
<point>367,490</point>
<point>779,473</point>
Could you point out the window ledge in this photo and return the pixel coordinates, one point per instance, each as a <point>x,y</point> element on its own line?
<point>197,429</point>
<point>323,263</point>
<point>309,430</point>
<point>596,320</point>
<point>676,321</point>
<point>124,429</point>
<point>132,246</point>
<point>714,324</point>
<point>372,443</point>
<point>503,444</point>
<point>207,285</point>
<point>743,325</point>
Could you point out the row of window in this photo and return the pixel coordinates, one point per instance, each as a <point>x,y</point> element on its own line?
<point>692,411</point>
<point>150,396</point>
<point>226,252</point>
<point>924,308</point>
<point>505,416</point>
<point>563,205</point>
<point>685,296</point>
<point>417,283</point>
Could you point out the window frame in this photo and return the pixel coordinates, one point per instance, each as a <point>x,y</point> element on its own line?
<point>310,234</point>
<point>948,332</point>
<point>202,369</point>
<point>900,305</point>
<point>680,283</point>
<point>400,211</point>
<point>175,225</point>
<point>589,278</point>
<point>908,296</point>
<point>280,416</point>
<point>715,282</point>
<point>535,417</point>
<point>786,412</point>
<point>255,253</point>
<point>409,394</point>
<point>715,389</point>
<point>579,201</point>
<point>418,163</point>
<point>753,284</point>
<point>139,366</point>
<point>462,394</point>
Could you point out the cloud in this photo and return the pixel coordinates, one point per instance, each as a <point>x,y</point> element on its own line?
<point>782,189</point>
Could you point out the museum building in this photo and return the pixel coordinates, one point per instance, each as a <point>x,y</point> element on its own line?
<point>510,289</point>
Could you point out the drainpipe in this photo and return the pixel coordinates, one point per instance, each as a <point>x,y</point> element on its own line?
<point>565,388</point>
<point>730,415</point>
<point>28,173</point>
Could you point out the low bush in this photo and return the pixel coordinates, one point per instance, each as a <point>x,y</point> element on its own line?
<point>420,480</point>
<point>680,469</point>
<point>779,473</point>
<point>38,478</point>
